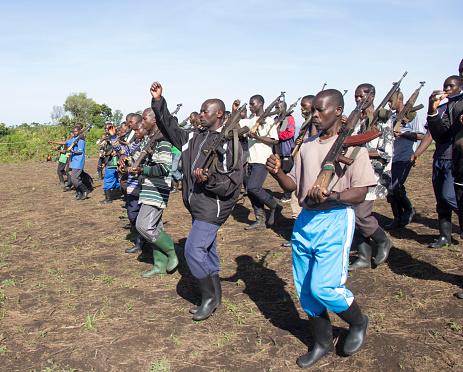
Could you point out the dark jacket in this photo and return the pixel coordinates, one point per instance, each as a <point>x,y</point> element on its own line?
<point>449,128</point>
<point>210,201</point>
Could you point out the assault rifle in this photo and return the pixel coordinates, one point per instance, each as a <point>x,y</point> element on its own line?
<point>173,113</point>
<point>335,155</point>
<point>372,130</point>
<point>283,116</point>
<point>80,136</point>
<point>148,149</point>
<point>304,128</point>
<point>184,122</point>
<point>408,108</point>
<point>229,131</point>
<point>267,112</point>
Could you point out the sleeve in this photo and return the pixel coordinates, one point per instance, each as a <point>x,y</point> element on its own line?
<point>224,185</point>
<point>81,146</point>
<point>116,145</point>
<point>290,130</point>
<point>441,128</point>
<point>161,161</point>
<point>273,132</point>
<point>167,124</point>
<point>361,171</point>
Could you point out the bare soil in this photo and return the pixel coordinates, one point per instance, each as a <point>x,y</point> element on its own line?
<point>72,300</point>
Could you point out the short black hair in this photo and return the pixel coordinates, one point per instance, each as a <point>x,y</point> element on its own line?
<point>309,97</point>
<point>258,98</point>
<point>366,87</point>
<point>335,97</point>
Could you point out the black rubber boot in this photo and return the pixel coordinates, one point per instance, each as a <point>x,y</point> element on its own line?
<point>174,188</point>
<point>100,173</point>
<point>445,230</point>
<point>107,200</point>
<point>409,211</point>
<point>363,262</point>
<point>217,291</point>
<point>83,192</point>
<point>68,185</point>
<point>260,220</point>
<point>358,325</point>
<point>209,302</point>
<point>139,241</point>
<point>275,210</point>
<point>61,179</point>
<point>397,211</point>
<point>78,195</point>
<point>323,335</point>
<point>384,245</point>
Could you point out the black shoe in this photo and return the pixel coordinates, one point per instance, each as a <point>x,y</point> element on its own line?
<point>209,302</point>
<point>358,325</point>
<point>260,220</point>
<point>61,179</point>
<point>397,211</point>
<point>107,200</point>
<point>323,335</point>
<point>363,262</point>
<point>78,195</point>
<point>384,245</point>
<point>286,244</point>
<point>275,210</point>
<point>139,242</point>
<point>445,229</point>
<point>409,211</point>
<point>217,291</point>
<point>67,188</point>
<point>83,192</point>
<point>174,186</point>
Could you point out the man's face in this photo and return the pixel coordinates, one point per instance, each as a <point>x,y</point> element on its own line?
<point>324,113</point>
<point>305,106</point>
<point>460,70</point>
<point>254,105</point>
<point>149,121</point>
<point>63,138</point>
<point>140,131</point>
<point>208,115</point>
<point>192,119</point>
<point>133,121</point>
<point>361,94</point>
<point>452,87</point>
<point>106,128</point>
<point>75,131</point>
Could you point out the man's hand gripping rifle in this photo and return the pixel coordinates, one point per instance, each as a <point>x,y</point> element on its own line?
<point>267,112</point>
<point>80,136</point>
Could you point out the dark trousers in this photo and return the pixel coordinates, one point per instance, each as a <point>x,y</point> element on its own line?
<point>61,169</point>
<point>442,182</point>
<point>399,174</point>
<point>76,177</point>
<point>132,208</point>
<point>365,223</point>
<point>459,196</point>
<point>100,161</point>
<point>257,173</point>
<point>201,249</point>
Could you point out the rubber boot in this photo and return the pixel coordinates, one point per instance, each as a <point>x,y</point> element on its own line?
<point>107,200</point>
<point>100,173</point>
<point>61,179</point>
<point>260,220</point>
<point>409,211</point>
<point>397,211</point>
<point>384,245</point>
<point>160,262</point>
<point>83,192</point>
<point>445,230</point>
<point>217,291</point>
<point>174,188</point>
<point>139,241</point>
<point>166,245</point>
<point>275,210</point>
<point>358,325</point>
<point>363,262</point>
<point>68,185</point>
<point>78,195</point>
<point>209,302</point>
<point>323,336</point>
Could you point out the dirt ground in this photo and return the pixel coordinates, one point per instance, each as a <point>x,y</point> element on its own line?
<point>72,300</point>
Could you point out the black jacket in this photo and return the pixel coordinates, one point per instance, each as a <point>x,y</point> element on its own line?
<point>449,128</point>
<point>210,201</point>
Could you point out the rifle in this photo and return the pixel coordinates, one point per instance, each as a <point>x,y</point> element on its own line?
<point>148,148</point>
<point>334,155</point>
<point>184,122</point>
<point>282,117</point>
<point>408,108</point>
<point>266,113</point>
<point>80,136</point>
<point>324,85</point>
<point>173,113</point>
<point>228,131</point>
<point>304,128</point>
<point>372,130</point>
<point>345,91</point>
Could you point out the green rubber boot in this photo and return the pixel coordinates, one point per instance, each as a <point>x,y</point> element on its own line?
<point>166,245</point>
<point>159,267</point>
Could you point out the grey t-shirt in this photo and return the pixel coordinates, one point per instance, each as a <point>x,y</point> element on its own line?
<point>404,148</point>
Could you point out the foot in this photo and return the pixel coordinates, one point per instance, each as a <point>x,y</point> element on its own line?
<point>285,200</point>
<point>356,337</point>
<point>318,352</point>
<point>439,243</point>
<point>397,222</point>
<point>134,249</point>
<point>286,244</point>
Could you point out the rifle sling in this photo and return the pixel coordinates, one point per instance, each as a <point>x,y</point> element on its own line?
<point>235,155</point>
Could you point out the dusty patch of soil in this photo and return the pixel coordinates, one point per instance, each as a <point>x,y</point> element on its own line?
<point>71,299</point>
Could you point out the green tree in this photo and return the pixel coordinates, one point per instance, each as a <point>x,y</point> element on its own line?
<point>117,117</point>
<point>4,130</point>
<point>79,106</point>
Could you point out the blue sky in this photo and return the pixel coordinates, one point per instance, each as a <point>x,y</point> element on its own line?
<point>114,50</point>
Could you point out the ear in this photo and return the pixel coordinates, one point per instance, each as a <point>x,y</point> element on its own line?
<point>338,111</point>
<point>219,114</point>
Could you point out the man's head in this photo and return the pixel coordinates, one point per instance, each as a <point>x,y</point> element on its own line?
<point>127,118</point>
<point>460,70</point>
<point>396,101</point>
<point>107,126</point>
<point>135,118</point>
<point>306,104</point>
<point>256,103</point>
<point>193,116</point>
<point>79,125</point>
<point>140,130</point>
<point>103,136</point>
<point>76,131</point>
<point>148,120</point>
<point>327,108</point>
<point>362,92</point>
<point>452,85</point>
<point>281,106</point>
<point>211,114</point>
<point>63,138</point>
<point>124,127</point>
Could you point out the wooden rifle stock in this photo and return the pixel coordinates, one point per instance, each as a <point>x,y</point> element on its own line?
<point>408,107</point>
<point>328,165</point>
<point>266,113</point>
<point>304,128</point>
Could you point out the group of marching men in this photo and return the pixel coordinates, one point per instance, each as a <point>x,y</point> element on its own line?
<point>328,216</point>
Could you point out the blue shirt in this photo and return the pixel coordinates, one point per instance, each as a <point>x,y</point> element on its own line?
<point>77,161</point>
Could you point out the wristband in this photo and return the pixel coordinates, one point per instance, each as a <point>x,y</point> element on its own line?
<point>338,197</point>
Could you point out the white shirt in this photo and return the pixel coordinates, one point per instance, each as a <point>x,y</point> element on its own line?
<point>258,152</point>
